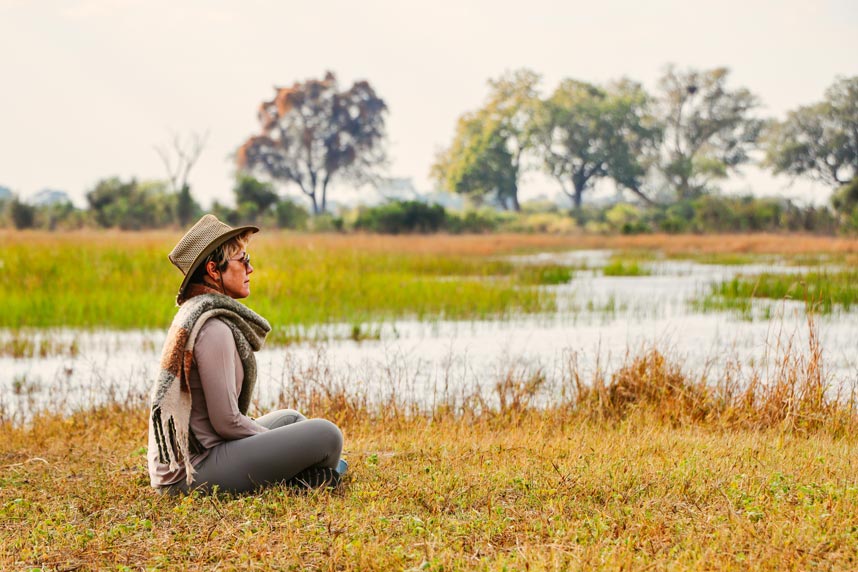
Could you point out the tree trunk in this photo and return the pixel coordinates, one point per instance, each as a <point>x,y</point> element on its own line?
<point>579,182</point>
<point>324,197</point>
<point>184,206</point>
<point>311,193</point>
<point>641,194</point>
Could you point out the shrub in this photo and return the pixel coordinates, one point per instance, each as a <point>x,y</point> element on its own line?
<point>476,221</point>
<point>542,222</point>
<point>626,218</point>
<point>22,214</point>
<point>58,215</point>
<point>291,215</point>
<point>397,217</point>
<point>325,223</point>
<point>132,205</point>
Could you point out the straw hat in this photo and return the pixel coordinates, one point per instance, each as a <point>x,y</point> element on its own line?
<point>199,242</point>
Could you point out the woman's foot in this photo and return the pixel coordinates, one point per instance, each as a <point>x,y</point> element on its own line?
<point>342,467</point>
<point>316,477</point>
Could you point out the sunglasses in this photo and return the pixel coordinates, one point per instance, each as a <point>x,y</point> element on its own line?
<point>244,260</point>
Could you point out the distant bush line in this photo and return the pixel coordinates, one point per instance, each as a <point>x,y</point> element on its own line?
<point>139,205</point>
<point>706,214</point>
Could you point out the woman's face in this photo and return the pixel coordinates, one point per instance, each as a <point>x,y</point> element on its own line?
<point>236,277</point>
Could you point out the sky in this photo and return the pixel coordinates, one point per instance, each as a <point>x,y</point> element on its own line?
<point>89,88</point>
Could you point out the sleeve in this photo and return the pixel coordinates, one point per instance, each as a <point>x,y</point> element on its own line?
<point>215,356</point>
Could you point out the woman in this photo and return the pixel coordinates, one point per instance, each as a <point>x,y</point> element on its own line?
<point>199,432</point>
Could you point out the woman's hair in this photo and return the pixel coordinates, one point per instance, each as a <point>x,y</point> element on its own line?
<point>221,255</point>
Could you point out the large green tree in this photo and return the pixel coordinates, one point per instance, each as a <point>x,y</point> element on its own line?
<point>478,164</point>
<point>313,133</point>
<point>573,138</point>
<point>489,148</point>
<point>819,141</point>
<point>710,130</point>
<point>586,133</point>
<point>634,136</point>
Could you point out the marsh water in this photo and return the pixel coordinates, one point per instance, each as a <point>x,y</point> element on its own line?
<point>599,323</point>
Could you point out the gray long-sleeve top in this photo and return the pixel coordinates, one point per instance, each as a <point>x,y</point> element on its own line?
<point>216,379</point>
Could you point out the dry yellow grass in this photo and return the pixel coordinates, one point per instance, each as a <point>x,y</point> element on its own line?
<point>538,492</point>
<point>481,245</point>
<point>642,468</point>
<point>493,244</point>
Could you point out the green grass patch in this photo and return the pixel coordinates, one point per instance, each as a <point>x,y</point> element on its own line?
<point>623,267</point>
<point>126,281</point>
<point>721,258</point>
<point>823,292</point>
<point>544,275</point>
<point>810,259</point>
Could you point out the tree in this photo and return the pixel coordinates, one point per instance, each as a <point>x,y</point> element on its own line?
<point>22,215</point>
<point>186,156</point>
<point>107,196</point>
<point>845,199</point>
<point>290,214</point>
<point>253,197</point>
<point>490,144</point>
<point>478,163</point>
<point>709,130</point>
<point>634,136</point>
<point>60,214</point>
<point>586,133</point>
<point>131,205</point>
<point>312,133</point>
<point>820,141</point>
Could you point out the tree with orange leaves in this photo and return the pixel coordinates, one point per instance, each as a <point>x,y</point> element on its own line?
<point>312,134</point>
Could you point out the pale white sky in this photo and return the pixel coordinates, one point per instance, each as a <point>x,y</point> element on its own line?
<point>89,87</point>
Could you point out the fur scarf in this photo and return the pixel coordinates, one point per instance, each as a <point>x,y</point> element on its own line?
<point>170,399</point>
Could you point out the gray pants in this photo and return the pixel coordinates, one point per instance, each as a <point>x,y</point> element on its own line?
<point>294,443</point>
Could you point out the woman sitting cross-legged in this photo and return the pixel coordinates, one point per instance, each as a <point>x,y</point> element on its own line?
<point>200,436</point>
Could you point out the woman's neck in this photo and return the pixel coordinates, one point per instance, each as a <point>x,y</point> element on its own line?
<point>198,288</point>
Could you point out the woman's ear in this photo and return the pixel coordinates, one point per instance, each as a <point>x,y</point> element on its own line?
<point>211,269</point>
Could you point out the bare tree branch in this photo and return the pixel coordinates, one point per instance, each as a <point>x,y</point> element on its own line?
<point>186,154</point>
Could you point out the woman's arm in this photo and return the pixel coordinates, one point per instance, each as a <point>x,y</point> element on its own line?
<point>216,358</point>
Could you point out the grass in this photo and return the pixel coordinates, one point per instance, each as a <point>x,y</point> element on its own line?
<point>823,292</point>
<point>621,267</point>
<point>123,280</point>
<point>645,467</point>
<point>444,494</point>
<point>27,344</point>
<point>723,258</point>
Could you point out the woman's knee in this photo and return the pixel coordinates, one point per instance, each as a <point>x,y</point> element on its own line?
<point>293,416</point>
<point>329,435</point>
<point>280,418</point>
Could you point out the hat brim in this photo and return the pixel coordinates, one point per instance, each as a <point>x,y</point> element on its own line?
<point>209,249</point>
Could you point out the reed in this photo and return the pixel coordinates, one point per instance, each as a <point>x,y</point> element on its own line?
<point>823,291</point>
